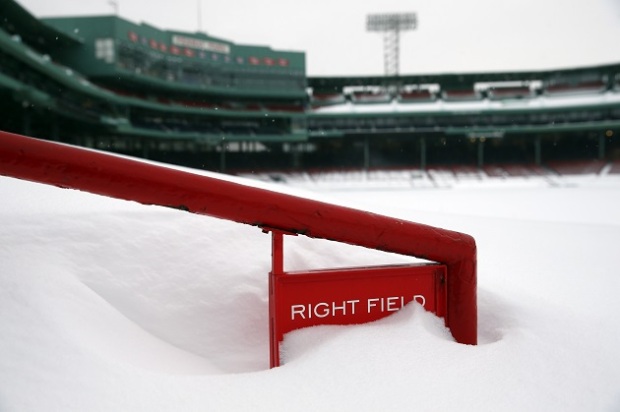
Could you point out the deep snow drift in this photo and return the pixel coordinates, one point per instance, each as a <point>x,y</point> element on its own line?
<point>108,305</point>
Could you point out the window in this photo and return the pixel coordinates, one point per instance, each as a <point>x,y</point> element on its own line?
<point>104,50</point>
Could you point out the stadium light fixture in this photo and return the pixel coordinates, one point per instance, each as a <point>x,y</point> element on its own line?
<point>114,5</point>
<point>391,25</point>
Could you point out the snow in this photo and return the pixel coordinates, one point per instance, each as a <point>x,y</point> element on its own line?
<point>107,305</point>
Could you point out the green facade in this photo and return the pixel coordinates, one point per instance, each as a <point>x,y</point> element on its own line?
<point>117,47</point>
<point>191,98</point>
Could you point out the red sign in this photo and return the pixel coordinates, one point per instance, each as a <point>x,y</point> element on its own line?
<point>350,296</point>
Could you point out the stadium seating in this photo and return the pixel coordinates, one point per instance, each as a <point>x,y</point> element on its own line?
<point>370,97</point>
<point>416,96</point>
<point>502,93</point>
<point>577,167</point>
<point>562,89</point>
<point>460,95</point>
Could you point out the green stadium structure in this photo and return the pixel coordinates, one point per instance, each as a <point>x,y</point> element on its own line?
<point>202,101</point>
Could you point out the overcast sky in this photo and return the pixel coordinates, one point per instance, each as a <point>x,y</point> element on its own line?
<point>452,35</point>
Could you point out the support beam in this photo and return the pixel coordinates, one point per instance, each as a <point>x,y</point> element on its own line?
<point>222,157</point>
<point>422,153</point>
<point>55,135</point>
<point>26,121</point>
<point>296,151</point>
<point>538,151</point>
<point>601,146</point>
<point>366,154</point>
<point>481,152</point>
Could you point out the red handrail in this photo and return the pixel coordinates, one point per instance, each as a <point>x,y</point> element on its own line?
<point>123,178</point>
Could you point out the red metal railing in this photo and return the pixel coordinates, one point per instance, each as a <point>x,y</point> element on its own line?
<point>104,174</point>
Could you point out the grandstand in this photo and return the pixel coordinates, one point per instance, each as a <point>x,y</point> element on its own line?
<point>207,102</point>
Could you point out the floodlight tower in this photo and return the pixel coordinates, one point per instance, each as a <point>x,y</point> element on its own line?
<point>114,5</point>
<point>391,25</point>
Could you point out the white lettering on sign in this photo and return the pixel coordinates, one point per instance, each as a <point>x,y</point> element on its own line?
<point>390,304</point>
<point>420,299</point>
<point>199,44</point>
<point>323,309</point>
<point>348,307</point>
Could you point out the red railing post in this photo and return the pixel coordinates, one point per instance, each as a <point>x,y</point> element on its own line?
<point>277,269</point>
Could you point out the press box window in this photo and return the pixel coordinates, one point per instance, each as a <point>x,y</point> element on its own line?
<point>104,50</point>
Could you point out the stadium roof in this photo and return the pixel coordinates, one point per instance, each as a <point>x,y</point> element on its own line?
<point>458,80</point>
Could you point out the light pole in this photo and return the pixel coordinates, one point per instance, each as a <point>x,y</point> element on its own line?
<point>199,15</point>
<point>391,25</point>
<point>114,5</point>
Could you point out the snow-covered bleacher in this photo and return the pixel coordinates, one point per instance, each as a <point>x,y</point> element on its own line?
<point>437,176</point>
